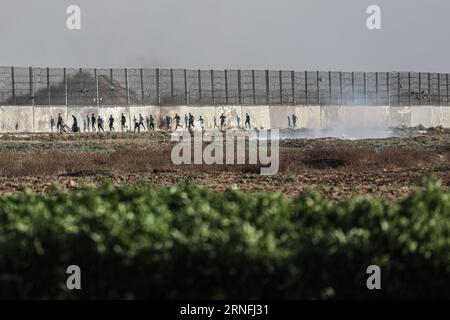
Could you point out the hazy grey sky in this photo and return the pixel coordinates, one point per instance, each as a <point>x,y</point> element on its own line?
<point>259,34</point>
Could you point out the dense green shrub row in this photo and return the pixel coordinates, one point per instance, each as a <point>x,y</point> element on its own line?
<point>189,242</point>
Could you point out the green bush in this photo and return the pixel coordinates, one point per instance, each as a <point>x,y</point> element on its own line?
<point>188,242</point>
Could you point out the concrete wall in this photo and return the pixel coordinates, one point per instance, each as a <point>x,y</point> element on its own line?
<point>29,119</point>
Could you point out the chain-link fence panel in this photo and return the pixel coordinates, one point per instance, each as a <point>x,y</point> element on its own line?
<point>220,86</point>
<point>150,78</point>
<point>81,87</point>
<point>135,86</point>
<point>22,87</point>
<point>41,89</point>
<point>57,86</point>
<point>106,88</point>
<point>111,87</point>
<point>6,92</point>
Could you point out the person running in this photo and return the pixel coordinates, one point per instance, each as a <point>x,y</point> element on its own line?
<point>59,123</point>
<point>111,123</point>
<point>147,121</point>
<point>294,121</point>
<point>136,125</point>
<point>100,123</point>
<point>88,119</point>
<point>186,119</point>
<point>215,122</point>
<point>75,124</point>
<point>52,123</point>
<point>191,121</point>
<point>152,123</point>
<point>123,122</point>
<point>222,121</point>
<point>93,122</point>
<point>141,121</point>
<point>202,122</point>
<point>168,122</point>
<point>177,121</point>
<point>247,121</point>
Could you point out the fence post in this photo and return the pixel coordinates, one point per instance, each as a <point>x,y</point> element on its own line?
<point>13,87</point>
<point>110,91</point>
<point>48,86</point>
<point>420,89</point>
<point>212,87</point>
<point>365,88</point>
<point>318,87</point>
<point>239,87</point>
<point>340,86</point>
<point>353,88</point>
<point>267,87</point>
<point>293,86</point>
<point>65,88</point>
<point>141,74</point>
<point>171,85</point>
<point>306,87</point>
<point>199,84</point>
<point>226,86</point>
<point>253,87</point>
<point>30,78</point>
<point>446,85</point>
<point>376,88</point>
<point>388,87</point>
<point>126,86</point>
<point>280,79</point>
<point>439,89</point>
<point>185,88</point>
<point>97,95</point>
<point>329,87</point>
<point>158,96</point>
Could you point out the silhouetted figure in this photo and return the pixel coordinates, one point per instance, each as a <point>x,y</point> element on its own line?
<point>177,121</point>
<point>191,121</point>
<point>168,121</point>
<point>88,119</point>
<point>222,121</point>
<point>289,122</point>
<point>123,122</point>
<point>100,123</point>
<point>152,123</point>
<point>59,123</point>
<point>238,121</point>
<point>93,121</point>
<point>294,121</point>
<point>75,124</point>
<point>215,122</point>
<point>147,121</point>
<point>247,121</point>
<point>186,119</point>
<point>52,123</point>
<point>111,123</point>
<point>136,125</point>
<point>201,122</point>
<point>141,121</point>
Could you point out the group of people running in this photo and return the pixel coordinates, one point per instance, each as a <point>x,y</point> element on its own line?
<point>92,123</point>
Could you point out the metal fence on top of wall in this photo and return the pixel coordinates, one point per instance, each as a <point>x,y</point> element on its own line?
<point>165,87</point>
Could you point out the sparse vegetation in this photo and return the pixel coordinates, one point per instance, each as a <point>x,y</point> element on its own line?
<point>189,242</point>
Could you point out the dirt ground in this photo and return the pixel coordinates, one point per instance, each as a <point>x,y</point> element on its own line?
<point>390,167</point>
